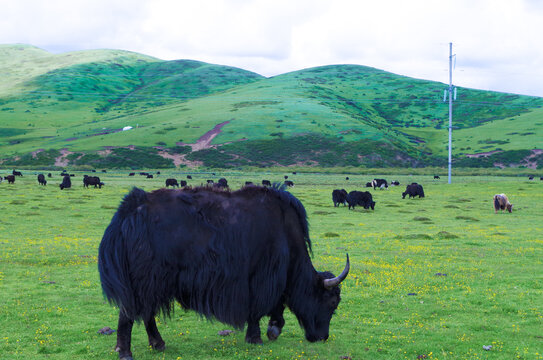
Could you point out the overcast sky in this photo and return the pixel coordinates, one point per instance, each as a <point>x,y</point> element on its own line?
<point>497,43</point>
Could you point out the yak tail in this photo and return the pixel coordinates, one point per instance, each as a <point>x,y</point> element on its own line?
<point>113,258</point>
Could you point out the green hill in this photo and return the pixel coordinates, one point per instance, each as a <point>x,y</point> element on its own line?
<point>70,109</point>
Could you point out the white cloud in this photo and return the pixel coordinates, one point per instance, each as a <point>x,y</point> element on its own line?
<point>496,41</point>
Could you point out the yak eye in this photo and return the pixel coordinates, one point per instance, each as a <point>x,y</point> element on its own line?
<point>333,302</point>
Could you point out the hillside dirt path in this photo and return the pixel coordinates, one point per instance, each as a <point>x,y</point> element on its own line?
<point>204,142</point>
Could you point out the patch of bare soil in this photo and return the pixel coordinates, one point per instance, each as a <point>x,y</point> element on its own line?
<point>532,164</point>
<point>62,159</point>
<point>35,153</point>
<point>478,155</point>
<point>179,159</point>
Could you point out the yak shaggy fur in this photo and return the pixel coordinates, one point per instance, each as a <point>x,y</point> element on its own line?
<point>232,256</point>
<point>502,203</point>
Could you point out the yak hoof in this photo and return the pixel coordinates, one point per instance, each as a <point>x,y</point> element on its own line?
<point>273,332</point>
<point>254,340</point>
<point>160,346</point>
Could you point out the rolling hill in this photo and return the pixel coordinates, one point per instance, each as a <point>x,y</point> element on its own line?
<point>70,110</point>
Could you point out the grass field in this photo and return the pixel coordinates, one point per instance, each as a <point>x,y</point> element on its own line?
<point>432,278</point>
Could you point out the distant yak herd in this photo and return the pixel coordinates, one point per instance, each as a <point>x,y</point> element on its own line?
<point>351,199</point>
<point>365,199</point>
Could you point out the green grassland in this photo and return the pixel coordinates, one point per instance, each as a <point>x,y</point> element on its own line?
<point>352,115</point>
<point>431,278</point>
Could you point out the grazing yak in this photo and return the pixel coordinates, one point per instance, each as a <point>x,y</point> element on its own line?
<point>266,183</point>
<point>183,183</point>
<point>41,179</point>
<point>379,183</point>
<point>16,173</point>
<point>172,182</point>
<point>394,183</point>
<point>92,180</point>
<point>502,203</point>
<point>339,197</point>
<point>289,183</point>
<point>231,256</point>
<point>413,190</point>
<point>222,183</point>
<point>362,198</point>
<point>66,182</point>
<point>10,179</point>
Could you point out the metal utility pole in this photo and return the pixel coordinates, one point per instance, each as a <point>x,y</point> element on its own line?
<point>450,109</point>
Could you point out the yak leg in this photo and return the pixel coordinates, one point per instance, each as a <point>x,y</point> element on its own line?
<point>277,322</point>
<point>124,335</point>
<point>252,336</point>
<point>155,340</point>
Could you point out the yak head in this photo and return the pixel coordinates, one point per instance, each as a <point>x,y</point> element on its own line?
<point>325,300</point>
<point>509,207</point>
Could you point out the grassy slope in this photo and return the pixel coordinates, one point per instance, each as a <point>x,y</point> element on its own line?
<point>64,101</point>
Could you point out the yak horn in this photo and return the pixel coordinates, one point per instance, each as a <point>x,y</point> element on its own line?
<point>330,283</point>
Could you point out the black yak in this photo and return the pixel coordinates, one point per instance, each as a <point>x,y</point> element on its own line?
<point>16,173</point>
<point>362,198</point>
<point>10,179</point>
<point>41,179</point>
<point>266,182</point>
<point>339,197</point>
<point>222,183</point>
<point>289,183</point>
<point>413,190</point>
<point>172,182</point>
<point>92,180</point>
<point>231,256</point>
<point>66,182</point>
<point>502,203</point>
<point>379,183</point>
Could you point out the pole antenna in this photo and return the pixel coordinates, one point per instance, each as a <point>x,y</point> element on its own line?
<point>451,91</point>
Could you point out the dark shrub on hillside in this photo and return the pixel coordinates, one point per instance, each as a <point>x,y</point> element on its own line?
<point>506,158</point>
<point>43,158</point>
<point>126,158</point>
<point>325,151</point>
